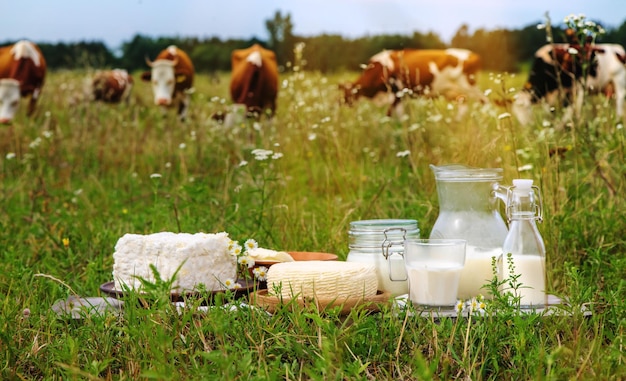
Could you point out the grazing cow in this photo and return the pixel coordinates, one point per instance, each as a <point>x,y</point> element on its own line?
<point>22,73</point>
<point>112,86</point>
<point>254,79</point>
<point>389,74</point>
<point>557,75</point>
<point>172,79</point>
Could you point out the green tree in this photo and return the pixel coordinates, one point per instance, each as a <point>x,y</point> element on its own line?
<point>281,38</point>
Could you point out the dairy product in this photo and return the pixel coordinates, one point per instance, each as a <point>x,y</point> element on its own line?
<point>322,279</point>
<point>477,271</point>
<point>530,269</point>
<point>261,254</point>
<point>386,269</point>
<point>434,284</point>
<point>199,258</point>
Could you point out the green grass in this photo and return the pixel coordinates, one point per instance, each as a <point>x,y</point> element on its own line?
<point>81,172</point>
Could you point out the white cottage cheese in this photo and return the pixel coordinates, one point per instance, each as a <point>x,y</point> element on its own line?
<point>199,258</point>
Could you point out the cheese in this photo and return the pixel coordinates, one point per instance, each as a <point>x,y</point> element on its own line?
<point>199,258</point>
<point>260,254</point>
<point>322,279</point>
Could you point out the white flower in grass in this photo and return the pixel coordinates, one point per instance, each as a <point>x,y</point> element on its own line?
<point>234,248</point>
<point>261,154</point>
<point>230,283</point>
<point>246,260</point>
<point>260,273</point>
<point>312,136</point>
<point>155,176</point>
<point>10,155</point>
<point>277,155</point>
<point>525,167</point>
<point>182,146</point>
<point>243,163</point>
<point>403,153</point>
<point>251,244</point>
<point>504,115</point>
<point>477,305</point>
<point>460,306</point>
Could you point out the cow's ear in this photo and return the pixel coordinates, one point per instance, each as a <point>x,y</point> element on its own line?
<point>180,78</point>
<point>146,76</point>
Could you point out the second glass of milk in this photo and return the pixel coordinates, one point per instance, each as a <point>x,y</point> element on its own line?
<point>434,269</point>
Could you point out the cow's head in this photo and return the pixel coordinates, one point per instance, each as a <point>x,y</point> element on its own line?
<point>9,99</point>
<point>163,78</point>
<point>374,83</point>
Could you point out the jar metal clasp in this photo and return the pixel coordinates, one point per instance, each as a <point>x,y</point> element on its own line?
<point>400,269</point>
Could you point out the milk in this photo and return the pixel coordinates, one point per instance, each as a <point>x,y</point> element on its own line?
<point>433,284</point>
<point>477,271</point>
<point>530,269</point>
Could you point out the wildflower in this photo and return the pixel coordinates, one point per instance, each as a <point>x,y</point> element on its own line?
<point>251,244</point>
<point>403,153</point>
<point>35,143</point>
<point>525,167</point>
<point>10,155</point>
<point>243,163</point>
<point>477,305</point>
<point>155,176</point>
<point>47,134</point>
<point>182,146</point>
<point>277,155</point>
<point>234,248</point>
<point>246,261</point>
<point>460,305</point>
<point>168,165</point>
<point>261,154</point>
<point>230,283</point>
<point>66,242</point>
<point>312,136</point>
<point>504,116</point>
<point>260,273</point>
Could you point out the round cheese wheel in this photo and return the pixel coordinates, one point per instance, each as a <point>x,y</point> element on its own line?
<point>322,279</point>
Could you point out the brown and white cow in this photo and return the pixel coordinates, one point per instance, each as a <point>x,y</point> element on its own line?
<point>112,86</point>
<point>22,73</point>
<point>172,79</point>
<point>557,75</point>
<point>254,79</point>
<point>391,73</point>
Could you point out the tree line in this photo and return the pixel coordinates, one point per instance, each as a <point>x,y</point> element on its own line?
<point>500,49</point>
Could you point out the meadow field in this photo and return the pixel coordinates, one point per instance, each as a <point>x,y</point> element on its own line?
<point>79,175</point>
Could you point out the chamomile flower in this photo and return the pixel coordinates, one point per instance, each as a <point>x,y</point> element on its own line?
<point>460,305</point>
<point>234,248</point>
<point>246,261</point>
<point>251,244</point>
<point>260,273</point>
<point>230,283</point>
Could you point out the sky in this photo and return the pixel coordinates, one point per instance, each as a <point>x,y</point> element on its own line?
<point>116,21</point>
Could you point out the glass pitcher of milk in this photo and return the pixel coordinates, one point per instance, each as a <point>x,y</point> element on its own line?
<point>468,209</point>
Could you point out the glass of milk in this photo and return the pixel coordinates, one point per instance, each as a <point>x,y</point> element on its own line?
<point>434,269</point>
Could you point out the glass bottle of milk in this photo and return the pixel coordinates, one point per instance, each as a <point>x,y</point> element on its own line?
<point>523,250</point>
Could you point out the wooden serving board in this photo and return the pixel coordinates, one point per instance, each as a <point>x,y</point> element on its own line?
<point>270,303</point>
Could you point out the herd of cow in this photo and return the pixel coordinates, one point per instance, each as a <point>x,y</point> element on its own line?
<point>388,76</point>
